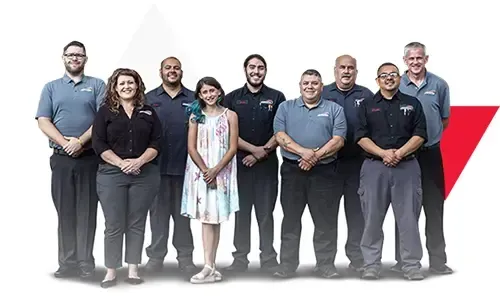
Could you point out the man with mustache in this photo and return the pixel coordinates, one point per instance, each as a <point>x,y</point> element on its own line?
<point>349,95</point>
<point>434,94</point>
<point>170,101</point>
<point>65,115</point>
<point>390,128</point>
<point>256,105</point>
<point>310,131</point>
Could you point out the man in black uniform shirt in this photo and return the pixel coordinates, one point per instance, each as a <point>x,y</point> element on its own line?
<point>170,101</point>
<point>391,128</point>
<point>256,105</point>
<point>345,92</point>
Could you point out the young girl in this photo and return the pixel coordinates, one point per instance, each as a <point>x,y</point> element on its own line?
<point>210,192</point>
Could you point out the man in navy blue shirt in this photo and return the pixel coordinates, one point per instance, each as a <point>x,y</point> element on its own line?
<point>170,101</point>
<point>345,92</point>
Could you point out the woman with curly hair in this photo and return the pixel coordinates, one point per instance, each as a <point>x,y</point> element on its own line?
<point>210,192</point>
<point>126,135</point>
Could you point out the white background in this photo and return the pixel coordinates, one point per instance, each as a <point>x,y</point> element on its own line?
<point>213,38</point>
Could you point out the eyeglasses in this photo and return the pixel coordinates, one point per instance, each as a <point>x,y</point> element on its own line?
<point>74,55</point>
<point>385,75</point>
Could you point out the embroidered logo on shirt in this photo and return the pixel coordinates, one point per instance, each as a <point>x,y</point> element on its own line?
<point>269,104</point>
<point>430,92</point>
<point>148,112</point>
<point>87,89</point>
<point>406,109</point>
<point>357,102</point>
<point>324,114</point>
<point>186,104</point>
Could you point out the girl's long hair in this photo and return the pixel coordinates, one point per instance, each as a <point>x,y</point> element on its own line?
<point>111,97</point>
<point>197,106</point>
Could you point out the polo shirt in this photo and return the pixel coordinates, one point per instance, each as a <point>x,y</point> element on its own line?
<point>71,106</point>
<point>434,95</point>
<point>310,128</point>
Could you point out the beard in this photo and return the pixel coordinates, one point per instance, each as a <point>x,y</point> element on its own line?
<point>256,85</point>
<point>74,71</point>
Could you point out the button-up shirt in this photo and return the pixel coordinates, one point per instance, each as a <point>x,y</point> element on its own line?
<point>174,121</point>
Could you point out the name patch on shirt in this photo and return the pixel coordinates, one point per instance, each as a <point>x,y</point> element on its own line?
<point>324,114</point>
<point>430,92</point>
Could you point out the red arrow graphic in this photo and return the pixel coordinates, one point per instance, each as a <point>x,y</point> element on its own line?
<point>460,139</point>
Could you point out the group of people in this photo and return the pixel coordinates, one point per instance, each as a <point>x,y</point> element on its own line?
<point>176,153</point>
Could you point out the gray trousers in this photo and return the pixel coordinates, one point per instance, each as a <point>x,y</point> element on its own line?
<point>401,187</point>
<point>125,201</point>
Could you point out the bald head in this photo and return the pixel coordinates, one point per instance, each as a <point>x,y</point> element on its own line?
<point>345,59</point>
<point>345,72</point>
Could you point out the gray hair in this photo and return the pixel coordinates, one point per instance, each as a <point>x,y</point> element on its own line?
<point>414,45</point>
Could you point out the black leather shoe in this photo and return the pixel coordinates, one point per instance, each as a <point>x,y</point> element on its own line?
<point>188,268</point>
<point>108,284</point>
<point>134,281</point>
<point>153,266</point>
<point>66,272</point>
<point>370,274</point>
<point>283,273</point>
<point>86,273</point>
<point>414,275</point>
<point>358,267</point>
<point>327,273</point>
<point>397,268</point>
<point>236,267</point>
<point>441,269</point>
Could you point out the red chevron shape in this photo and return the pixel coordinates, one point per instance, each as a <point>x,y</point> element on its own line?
<point>466,128</point>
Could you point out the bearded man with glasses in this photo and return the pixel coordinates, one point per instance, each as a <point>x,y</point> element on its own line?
<point>65,114</point>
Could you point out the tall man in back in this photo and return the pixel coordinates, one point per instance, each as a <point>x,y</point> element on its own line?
<point>433,93</point>
<point>170,101</point>
<point>65,115</point>
<point>345,92</point>
<point>256,105</point>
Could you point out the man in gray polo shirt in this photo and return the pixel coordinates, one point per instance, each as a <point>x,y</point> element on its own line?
<point>65,115</point>
<point>310,131</point>
<point>434,94</point>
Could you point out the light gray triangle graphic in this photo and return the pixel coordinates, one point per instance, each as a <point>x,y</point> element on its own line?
<point>150,44</point>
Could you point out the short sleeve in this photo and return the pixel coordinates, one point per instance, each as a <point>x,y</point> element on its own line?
<point>45,108</point>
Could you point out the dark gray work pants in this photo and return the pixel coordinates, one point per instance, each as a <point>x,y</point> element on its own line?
<point>125,200</point>
<point>401,187</point>
<point>258,187</point>
<point>165,205</point>
<point>75,199</point>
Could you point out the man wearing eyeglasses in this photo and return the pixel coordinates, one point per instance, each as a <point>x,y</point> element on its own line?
<point>434,94</point>
<point>391,128</point>
<point>65,115</point>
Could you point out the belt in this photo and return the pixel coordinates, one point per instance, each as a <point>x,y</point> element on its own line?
<point>87,152</point>
<point>406,158</point>
<point>294,161</point>
<point>437,145</point>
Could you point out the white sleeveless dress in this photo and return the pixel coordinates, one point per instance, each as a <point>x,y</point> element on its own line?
<point>199,202</point>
